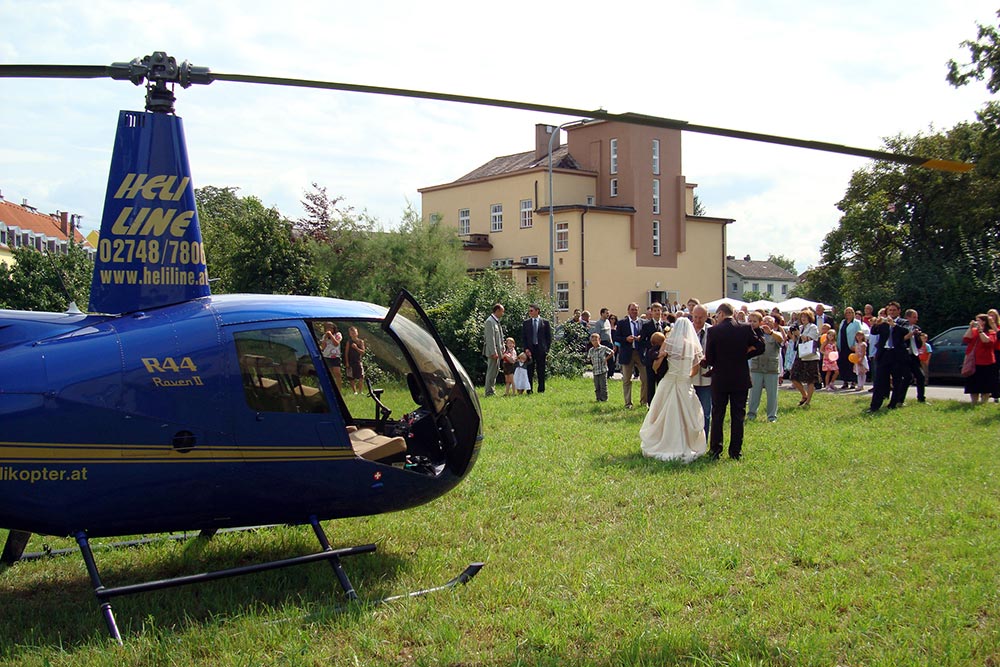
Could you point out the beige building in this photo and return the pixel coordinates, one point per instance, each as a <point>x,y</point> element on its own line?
<point>623,225</point>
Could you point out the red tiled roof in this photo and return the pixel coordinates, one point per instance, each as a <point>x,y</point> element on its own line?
<point>14,215</point>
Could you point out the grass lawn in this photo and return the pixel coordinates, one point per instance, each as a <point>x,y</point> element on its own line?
<point>840,539</point>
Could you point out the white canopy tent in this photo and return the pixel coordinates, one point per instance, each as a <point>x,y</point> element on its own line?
<point>762,304</point>
<point>796,304</point>
<point>712,305</point>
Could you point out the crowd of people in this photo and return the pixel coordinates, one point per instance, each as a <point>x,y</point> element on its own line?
<point>691,365</point>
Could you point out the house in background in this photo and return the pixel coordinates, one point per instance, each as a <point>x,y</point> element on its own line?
<point>623,225</point>
<point>22,226</point>
<point>764,277</point>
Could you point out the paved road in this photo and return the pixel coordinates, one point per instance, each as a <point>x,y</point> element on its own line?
<point>934,392</point>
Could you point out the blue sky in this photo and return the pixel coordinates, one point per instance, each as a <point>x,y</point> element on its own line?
<point>846,72</point>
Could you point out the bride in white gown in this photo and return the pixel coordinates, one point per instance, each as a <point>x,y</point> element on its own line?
<point>674,427</point>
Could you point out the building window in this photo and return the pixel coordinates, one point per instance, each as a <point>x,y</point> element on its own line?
<point>532,281</point>
<point>496,218</point>
<point>656,238</point>
<point>526,210</point>
<point>590,200</point>
<point>770,288</point>
<point>562,296</point>
<point>614,156</point>
<point>656,156</point>
<point>736,287</point>
<point>614,187</point>
<point>756,287</point>
<point>530,261</point>
<point>505,263</point>
<point>656,196</point>
<point>562,236</point>
<point>784,290</point>
<point>464,222</point>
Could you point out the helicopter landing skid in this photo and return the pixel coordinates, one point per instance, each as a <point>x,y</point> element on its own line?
<point>105,594</point>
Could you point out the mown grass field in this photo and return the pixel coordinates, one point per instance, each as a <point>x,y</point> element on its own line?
<point>840,539</point>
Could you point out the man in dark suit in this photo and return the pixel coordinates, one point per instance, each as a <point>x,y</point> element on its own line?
<point>649,327</point>
<point>536,336</point>
<point>728,346</point>
<point>628,354</point>
<point>892,358</point>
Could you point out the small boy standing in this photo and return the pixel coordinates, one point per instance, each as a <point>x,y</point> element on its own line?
<point>599,355</point>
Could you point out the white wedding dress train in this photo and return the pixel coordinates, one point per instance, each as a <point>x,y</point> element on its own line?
<point>674,427</point>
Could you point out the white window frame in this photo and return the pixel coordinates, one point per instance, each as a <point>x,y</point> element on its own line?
<point>562,296</point>
<point>530,260</point>
<point>756,287</point>
<point>614,187</point>
<point>770,288</point>
<point>464,222</point>
<point>656,196</point>
<point>562,236</point>
<point>656,238</point>
<point>656,156</point>
<point>613,150</point>
<point>502,263</point>
<point>784,290</point>
<point>527,209</point>
<point>496,218</point>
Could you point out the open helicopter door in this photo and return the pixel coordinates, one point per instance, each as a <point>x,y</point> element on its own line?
<point>441,379</point>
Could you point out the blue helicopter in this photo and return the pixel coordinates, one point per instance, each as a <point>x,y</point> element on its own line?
<point>212,412</point>
<point>218,412</point>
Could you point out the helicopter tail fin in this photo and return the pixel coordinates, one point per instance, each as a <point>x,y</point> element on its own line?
<point>150,251</point>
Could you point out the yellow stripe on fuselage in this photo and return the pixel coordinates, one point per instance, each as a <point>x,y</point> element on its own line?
<point>19,452</point>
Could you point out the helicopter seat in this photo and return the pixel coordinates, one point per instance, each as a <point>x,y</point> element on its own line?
<point>371,446</point>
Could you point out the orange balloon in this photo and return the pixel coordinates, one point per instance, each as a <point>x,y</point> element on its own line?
<point>853,357</point>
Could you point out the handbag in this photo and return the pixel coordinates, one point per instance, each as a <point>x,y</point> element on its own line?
<point>807,347</point>
<point>969,364</point>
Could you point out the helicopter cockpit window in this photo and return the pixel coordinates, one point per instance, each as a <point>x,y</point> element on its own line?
<point>278,372</point>
<point>382,368</point>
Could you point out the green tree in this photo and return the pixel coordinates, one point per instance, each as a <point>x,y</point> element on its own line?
<point>46,281</point>
<point>926,238</point>
<point>251,248</point>
<point>985,60</point>
<point>699,207</point>
<point>783,262</point>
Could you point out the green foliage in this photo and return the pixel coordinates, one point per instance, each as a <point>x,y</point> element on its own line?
<point>784,262</point>
<point>251,248</point>
<point>699,207</point>
<point>984,60</point>
<point>40,281</point>
<point>360,261</point>
<point>459,314</point>
<point>753,295</point>
<point>926,238</point>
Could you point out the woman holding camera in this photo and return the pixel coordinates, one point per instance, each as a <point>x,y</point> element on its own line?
<point>805,371</point>
<point>981,342</point>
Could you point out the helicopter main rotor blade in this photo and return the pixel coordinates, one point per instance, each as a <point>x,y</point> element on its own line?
<point>600,114</point>
<point>203,75</point>
<point>55,71</point>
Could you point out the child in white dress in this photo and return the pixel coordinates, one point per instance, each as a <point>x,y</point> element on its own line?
<point>521,374</point>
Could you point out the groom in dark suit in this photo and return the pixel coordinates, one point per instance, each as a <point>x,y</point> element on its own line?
<point>536,336</point>
<point>728,346</point>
